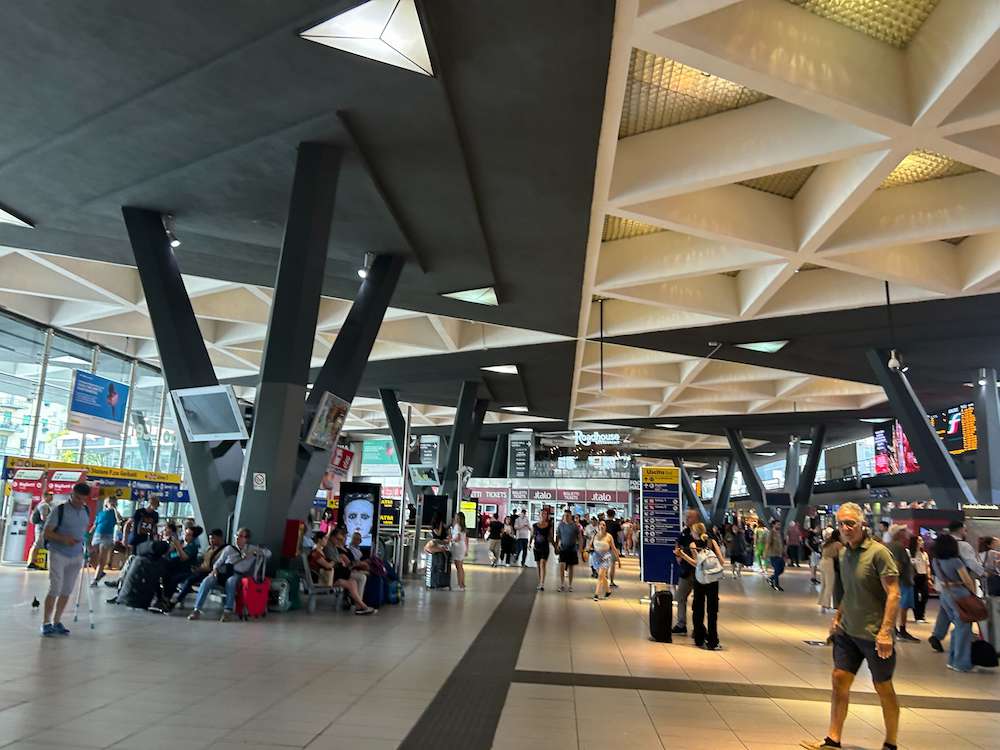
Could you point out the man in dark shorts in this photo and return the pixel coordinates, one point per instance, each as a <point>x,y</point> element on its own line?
<point>863,627</point>
<point>568,536</point>
<point>141,527</point>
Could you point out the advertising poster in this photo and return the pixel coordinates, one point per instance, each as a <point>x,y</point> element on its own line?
<point>327,422</point>
<point>660,521</point>
<point>379,459</point>
<point>358,510</point>
<point>96,405</point>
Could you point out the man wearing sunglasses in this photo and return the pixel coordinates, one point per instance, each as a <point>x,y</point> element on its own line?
<point>863,626</point>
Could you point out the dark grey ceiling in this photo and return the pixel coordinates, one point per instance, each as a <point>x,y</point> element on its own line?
<point>196,108</point>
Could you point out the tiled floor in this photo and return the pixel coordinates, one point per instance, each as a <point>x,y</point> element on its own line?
<point>332,680</point>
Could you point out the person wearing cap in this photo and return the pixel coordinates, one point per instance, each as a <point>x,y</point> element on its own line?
<point>65,529</point>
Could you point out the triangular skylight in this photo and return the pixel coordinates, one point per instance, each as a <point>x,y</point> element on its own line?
<point>8,218</point>
<point>767,347</point>
<point>483,296</point>
<point>384,30</point>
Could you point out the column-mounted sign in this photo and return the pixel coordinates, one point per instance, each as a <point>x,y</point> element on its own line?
<point>425,450</point>
<point>660,523</point>
<point>520,454</point>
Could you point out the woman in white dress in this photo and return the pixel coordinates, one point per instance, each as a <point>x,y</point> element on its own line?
<point>459,547</point>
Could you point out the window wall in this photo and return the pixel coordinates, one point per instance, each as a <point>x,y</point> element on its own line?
<point>36,374</point>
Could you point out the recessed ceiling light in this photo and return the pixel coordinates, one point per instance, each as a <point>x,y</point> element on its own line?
<point>366,266</point>
<point>485,295</point>
<point>805,442</point>
<point>874,420</point>
<point>502,369</point>
<point>766,453</point>
<point>767,347</point>
<point>384,30</point>
<point>519,409</point>
<point>669,425</point>
<point>523,429</point>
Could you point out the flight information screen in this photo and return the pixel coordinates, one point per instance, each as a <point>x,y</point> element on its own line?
<point>957,428</point>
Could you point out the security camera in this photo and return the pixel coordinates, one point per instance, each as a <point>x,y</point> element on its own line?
<point>894,363</point>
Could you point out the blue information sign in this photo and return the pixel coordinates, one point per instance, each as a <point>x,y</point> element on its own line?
<point>659,522</point>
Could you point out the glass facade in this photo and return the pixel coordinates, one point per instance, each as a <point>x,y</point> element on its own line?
<point>36,371</point>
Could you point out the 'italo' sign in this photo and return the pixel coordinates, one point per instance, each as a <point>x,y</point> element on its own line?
<point>596,438</point>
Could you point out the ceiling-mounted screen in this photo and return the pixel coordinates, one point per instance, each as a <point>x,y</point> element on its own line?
<point>957,428</point>
<point>209,414</point>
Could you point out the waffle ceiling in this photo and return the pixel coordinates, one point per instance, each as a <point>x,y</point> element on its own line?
<point>786,184</point>
<point>661,92</point>
<point>921,166</point>
<point>894,22</point>
<point>617,228</point>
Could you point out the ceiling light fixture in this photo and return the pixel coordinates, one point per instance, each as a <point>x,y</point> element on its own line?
<point>879,420</point>
<point>523,429</point>
<point>502,369</point>
<point>765,453</point>
<point>387,31</point>
<point>519,409</point>
<point>366,266</point>
<point>766,347</point>
<point>669,425</point>
<point>171,232</point>
<point>485,295</point>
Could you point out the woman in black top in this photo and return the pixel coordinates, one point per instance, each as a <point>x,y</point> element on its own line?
<point>541,542</point>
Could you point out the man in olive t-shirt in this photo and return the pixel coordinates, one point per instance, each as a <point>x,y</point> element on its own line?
<point>864,625</point>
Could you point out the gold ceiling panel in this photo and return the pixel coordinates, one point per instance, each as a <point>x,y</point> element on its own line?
<point>660,93</point>
<point>617,228</point>
<point>922,166</point>
<point>894,22</point>
<point>786,184</point>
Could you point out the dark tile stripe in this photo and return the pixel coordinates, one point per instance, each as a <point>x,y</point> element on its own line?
<point>746,690</point>
<point>469,703</point>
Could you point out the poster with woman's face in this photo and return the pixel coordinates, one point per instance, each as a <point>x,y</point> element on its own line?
<point>358,510</point>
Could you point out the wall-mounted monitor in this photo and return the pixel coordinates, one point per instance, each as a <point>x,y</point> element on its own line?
<point>209,414</point>
<point>422,475</point>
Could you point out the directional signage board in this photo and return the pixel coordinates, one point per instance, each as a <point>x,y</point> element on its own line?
<point>660,522</point>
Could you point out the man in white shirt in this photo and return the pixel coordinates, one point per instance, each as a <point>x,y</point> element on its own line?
<point>522,533</point>
<point>968,555</point>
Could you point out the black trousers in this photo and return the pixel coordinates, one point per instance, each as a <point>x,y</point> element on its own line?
<point>920,595</point>
<point>706,594</point>
<point>793,554</point>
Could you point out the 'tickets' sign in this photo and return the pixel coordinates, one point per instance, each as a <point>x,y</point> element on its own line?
<point>489,494</point>
<point>519,494</point>
<point>570,496</point>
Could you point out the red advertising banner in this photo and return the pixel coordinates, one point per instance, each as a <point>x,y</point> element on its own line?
<point>341,460</point>
<point>606,496</point>
<point>543,495</point>
<point>570,496</point>
<point>390,491</point>
<point>519,494</point>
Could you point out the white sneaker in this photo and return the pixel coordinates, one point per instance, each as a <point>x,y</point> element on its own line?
<point>570,588</point>
<point>461,588</point>
<point>562,588</point>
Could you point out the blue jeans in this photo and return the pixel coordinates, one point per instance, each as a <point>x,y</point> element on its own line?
<point>960,647</point>
<point>778,563</point>
<point>209,583</point>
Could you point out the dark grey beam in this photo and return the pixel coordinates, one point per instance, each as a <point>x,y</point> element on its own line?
<point>498,462</point>
<point>475,430</point>
<point>723,490</point>
<point>792,472</point>
<point>460,429</point>
<point>288,347</point>
<point>341,372</point>
<point>804,487</point>
<point>397,428</point>
<point>213,470</point>
<point>691,499</point>
<point>938,469</point>
<point>755,488</point>
<point>988,438</point>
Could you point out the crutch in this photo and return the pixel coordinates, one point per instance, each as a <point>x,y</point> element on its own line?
<point>79,591</point>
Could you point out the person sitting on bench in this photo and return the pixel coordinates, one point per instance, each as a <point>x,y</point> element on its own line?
<point>231,564</point>
<point>336,573</point>
<point>184,582</point>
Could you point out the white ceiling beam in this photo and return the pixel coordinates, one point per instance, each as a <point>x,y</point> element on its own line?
<point>980,109</point>
<point>670,255</point>
<point>449,329</point>
<point>934,266</point>
<point>979,262</point>
<point>953,50</point>
<point>757,285</point>
<point>785,51</point>
<point>657,14</point>
<point>827,289</point>
<point>621,317</point>
<point>714,294</point>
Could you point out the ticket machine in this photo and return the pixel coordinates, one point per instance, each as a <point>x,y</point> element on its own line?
<point>26,486</point>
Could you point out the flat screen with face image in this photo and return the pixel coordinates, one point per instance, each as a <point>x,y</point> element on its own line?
<point>357,510</point>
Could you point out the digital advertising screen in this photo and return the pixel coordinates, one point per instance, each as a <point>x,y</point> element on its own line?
<point>893,454</point>
<point>358,510</point>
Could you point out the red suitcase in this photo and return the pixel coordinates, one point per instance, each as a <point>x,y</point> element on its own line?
<point>251,597</point>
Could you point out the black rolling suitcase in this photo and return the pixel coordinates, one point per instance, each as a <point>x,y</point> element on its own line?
<point>438,570</point>
<point>661,616</point>
<point>141,583</point>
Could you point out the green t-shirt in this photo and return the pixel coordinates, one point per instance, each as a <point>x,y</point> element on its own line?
<point>861,571</point>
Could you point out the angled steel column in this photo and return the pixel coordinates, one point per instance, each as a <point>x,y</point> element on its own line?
<point>945,484</point>
<point>212,470</point>
<point>400,439</point>
<point>498,460</point>
<point>723,489</point>
<point>755,488</point>
<point>792,464</point>
<point>475,430</point>
<point>691,499</point>
<point>460,430</point>
<point>291,330</point>
<point>341,372</point>
<point>988,437</point>
<point>804,488</point>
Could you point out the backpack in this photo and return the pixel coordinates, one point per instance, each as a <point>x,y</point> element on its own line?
<point>36,515</point>
<point>709,567</point>
<point>60,514</point>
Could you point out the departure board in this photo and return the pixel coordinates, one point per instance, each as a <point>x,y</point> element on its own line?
<point>957,428</point>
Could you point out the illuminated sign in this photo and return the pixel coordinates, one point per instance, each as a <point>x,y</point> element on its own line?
<point>596,438</point>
